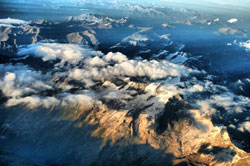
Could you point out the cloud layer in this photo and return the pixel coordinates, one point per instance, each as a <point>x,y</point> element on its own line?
<point>53,51</point>
<point>94,79</point>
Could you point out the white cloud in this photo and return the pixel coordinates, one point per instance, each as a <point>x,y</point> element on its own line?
<point>196,88</point>
<point>9,22</point>
<point>33,102</point>
<point>6,25</point>
<point>79,100</point>
<point>232,20</point>
<point>102,67</point>
<point>24,86</point>
<point>115,57</point>
<point>96,61</point>
<point>10,77</point>
<point>227,100</point>
<point>19,80</point>
<point>132,68</point>
<point>54,51</point>
<point>245,44</point>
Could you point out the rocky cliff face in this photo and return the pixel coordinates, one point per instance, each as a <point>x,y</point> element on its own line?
<point>177,132</point>
<point>12,37</point>
<point>76,30</point>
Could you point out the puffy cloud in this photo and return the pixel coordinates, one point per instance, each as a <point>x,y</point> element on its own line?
<point>78,99</point>
<point>132,68</point>
<point>26,85</point>
<point>245,44</point>
<point>230,102</point>
<point>19,81</point>
<point>10,77</point>
<point>54,51</point>
<point>96,61</point>
<point>196,88</point>
<point>99,66</point>
<point>33,101</point>
<point>115,57</point>
<point>232,20</point>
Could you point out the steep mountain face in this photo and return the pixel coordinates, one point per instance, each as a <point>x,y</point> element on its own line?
<point>11,37</point>
<point>77,30</point>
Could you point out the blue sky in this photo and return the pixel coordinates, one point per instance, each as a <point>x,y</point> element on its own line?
<point>231,3</point>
